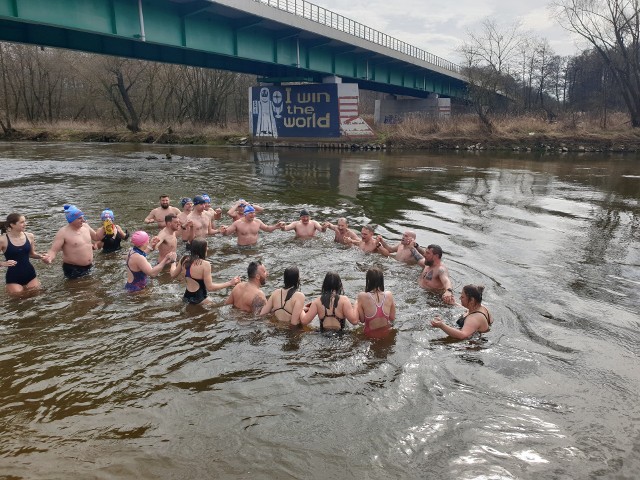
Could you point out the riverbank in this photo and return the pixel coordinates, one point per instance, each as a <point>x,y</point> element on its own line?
<point>572,134</point>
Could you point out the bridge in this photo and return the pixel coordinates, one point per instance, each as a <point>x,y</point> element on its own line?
<point>278,40</point>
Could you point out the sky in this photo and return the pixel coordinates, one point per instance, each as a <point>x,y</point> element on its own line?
<point>440,26</point>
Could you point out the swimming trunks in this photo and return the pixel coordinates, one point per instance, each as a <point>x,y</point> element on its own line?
<point>23,272</point>
<point>199,295</point>
<point>460,321</point>
<point>72,271</point>
<point>139,278</point>
<point>333,315</point>
<point>379,313</point>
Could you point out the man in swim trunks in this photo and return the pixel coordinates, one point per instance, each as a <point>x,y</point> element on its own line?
<point>403,250</point>
<point>247,228</point>
<point>201,222</point>
<point>370,243</point>
<point>305,227</point>
<point>166,241</point>
<point>247,296</point>
<point>237,209</point>
<point>76,242</point>
<point>343,232</point>
<point>435,276</point>
<point>157,214</point>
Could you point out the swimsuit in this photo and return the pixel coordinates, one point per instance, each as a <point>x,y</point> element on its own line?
<point>72,271</point>
<point>139,278</point>
<point>199,295</point>
<point>378,314</point>
<point>111,243</point>
<point>460,321</point>
<point>23,272</point>
<point>333,315</point>
<point>289,295</point>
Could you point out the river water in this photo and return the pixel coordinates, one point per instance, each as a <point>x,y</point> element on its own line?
<point>97,383</point>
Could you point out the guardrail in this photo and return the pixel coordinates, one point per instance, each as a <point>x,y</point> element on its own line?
<point>321,15</point>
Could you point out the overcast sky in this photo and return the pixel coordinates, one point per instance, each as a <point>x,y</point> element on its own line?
<point>439,26</point>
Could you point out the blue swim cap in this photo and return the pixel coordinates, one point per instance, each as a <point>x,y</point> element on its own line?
<point>249,209</point>
<point>207,198</point>
<point>197,200</point>
<point>72,213</point>
<point>107,215</point>
<point>185,200</point>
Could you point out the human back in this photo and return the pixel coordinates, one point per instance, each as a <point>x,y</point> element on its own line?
<point>376,307</point>
<point>287,303</point>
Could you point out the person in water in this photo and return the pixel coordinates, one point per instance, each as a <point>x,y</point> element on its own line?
<point>18,247</point>
<point>138,267</point>
<point>435,275</point>
<point>197,274</point>
<point>477,319</point>
<point>248,296</point>
<point>75,240</point>
<point>376,307</point>
<point>332,307</point>
<point>287,303</point>
<point>109,235</point>
<point>157,214</point>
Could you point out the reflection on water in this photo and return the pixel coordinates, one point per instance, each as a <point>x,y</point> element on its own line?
<point>98,383</point>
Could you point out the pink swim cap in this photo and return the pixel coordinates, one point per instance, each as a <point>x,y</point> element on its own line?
<point>139,238</point>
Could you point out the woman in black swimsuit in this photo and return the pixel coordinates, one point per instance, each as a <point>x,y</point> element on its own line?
<point>477,319</point>
<point>286,303</point>
<point>197,273</point>
<point>18,247</point>
<point>332,307</point>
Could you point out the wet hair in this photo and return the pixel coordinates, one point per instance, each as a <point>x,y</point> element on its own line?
<point>474,291</point>
<point>198,251</point>
<point>169,218</point>
<point>330,286</point>
<point>252,269</point>
<point>371,228</point>
<point>436,249</point>
<point>375,280</point>
<point>292,278</point>
<point>12,219</point>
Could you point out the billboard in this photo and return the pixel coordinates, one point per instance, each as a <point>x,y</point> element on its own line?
<point>294,111</point>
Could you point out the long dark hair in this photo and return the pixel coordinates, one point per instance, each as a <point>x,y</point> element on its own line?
<point>292,278</point>
<point>332,285</point>
<point>475,292</point>
<point>198,251</point>
<point>375,280</point>
<point>12,219</point>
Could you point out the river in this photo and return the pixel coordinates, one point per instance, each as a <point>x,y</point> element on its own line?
<point>98,383</point>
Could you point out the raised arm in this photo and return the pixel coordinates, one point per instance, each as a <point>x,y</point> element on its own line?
<point>270,228</point>
<point>389,248</point>
<point>150,218</point>
<point>146,267</point>
<point>349,312</point>
<point>447,296</point>
<point>208,282</point>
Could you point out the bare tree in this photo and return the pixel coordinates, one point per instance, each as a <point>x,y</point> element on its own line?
<point>613,28</point>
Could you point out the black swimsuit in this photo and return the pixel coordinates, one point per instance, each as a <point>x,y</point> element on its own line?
<point>333,315</point>
<point>111,243</point>
<point>199,295</point>
<point>286,299</point>
<point>23,272</point>
<point>460,321</point>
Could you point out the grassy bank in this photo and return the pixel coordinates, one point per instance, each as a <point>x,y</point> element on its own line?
<point>571,133</point>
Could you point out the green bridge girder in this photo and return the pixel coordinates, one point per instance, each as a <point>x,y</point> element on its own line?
<point>209,34</point>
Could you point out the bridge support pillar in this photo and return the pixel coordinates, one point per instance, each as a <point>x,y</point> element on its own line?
<point>392,110</point>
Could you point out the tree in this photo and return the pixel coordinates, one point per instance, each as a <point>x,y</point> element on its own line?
<point>613,28</point>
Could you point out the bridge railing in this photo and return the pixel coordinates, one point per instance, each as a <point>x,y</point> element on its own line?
<point>321,15</point>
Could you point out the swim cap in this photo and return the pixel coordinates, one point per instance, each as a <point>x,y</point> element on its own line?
<point>207,198</point>
<point>139,238</point>
<point>107,215</point>
<point>198,200</point>
<point>185,200</point>
<point>249,209</point>
<point>72,213</point>
<point>304,212</point>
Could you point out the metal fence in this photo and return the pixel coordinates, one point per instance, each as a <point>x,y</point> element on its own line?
<point>321,15</point>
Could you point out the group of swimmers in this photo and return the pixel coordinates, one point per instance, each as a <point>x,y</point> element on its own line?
<point>375,307</point>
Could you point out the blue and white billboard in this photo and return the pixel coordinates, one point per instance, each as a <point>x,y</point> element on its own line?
<point>294,111</point>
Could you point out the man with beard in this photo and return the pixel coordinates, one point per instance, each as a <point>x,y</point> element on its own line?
<point>166,241</point>
<point>435,276</point>
<point>343,232</point>
<point>247,296</point>
<point>403,251</point>
<point>157,214</point>
<point>305,227</point>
